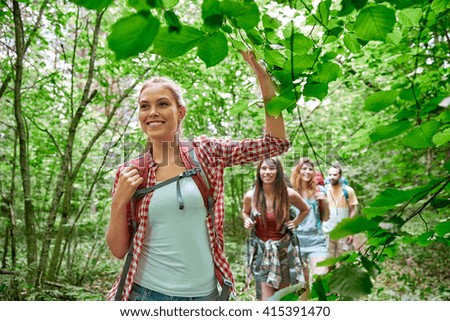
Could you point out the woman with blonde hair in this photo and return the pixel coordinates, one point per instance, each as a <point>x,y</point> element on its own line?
<point>173,238</point>
<point>313,244</point>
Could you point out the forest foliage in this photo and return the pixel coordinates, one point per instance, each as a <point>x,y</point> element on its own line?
<point>363,83</point>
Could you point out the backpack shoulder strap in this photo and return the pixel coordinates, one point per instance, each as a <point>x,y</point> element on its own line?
<point>200,179</point>
<point>205,188</point>
<point>345,192</point>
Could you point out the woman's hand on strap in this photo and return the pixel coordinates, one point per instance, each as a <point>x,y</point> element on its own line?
<point>249,223</point>
<point>129,180</point>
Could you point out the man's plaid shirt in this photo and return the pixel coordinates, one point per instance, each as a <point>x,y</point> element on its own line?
<point>214,155</point>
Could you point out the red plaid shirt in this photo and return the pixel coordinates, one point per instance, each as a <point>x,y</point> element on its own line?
<point>214,155</point>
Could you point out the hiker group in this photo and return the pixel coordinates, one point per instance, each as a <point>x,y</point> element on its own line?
<point>167,207</point>
<point>290,221</point>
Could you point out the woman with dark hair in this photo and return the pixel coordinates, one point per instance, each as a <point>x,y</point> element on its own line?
<point>266,209</point>
<point>313,244</point>
<point>177,249</point>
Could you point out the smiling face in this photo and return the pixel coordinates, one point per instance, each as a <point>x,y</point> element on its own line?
<point>268,172</point>
<point>307,172</point>
<point>159,112</point>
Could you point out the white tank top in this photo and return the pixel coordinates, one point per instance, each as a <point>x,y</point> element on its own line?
<point>176,257</point>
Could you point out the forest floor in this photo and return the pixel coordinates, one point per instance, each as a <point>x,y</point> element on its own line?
<point>416,273</point>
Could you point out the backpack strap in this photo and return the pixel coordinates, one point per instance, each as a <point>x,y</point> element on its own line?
<point>205,188</point>
<point>140,193</point>
<point>201,180</point>
<point>126,266</point>
<point>344,191</point>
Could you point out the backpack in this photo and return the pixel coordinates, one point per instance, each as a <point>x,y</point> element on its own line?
<point>194,170</point>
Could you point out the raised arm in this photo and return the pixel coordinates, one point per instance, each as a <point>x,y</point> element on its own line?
<point>274,125</point>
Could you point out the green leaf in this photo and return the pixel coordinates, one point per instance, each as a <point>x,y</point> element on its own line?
<point>423,239</point>
<point>392,196</point>
<point>323,12</point>
<point>409,17</point>
<point>351,43</point>
<point>139,5</point>
<point>350,226</point>
<point>439,6</point>
<point>348,257</point>
<point>371,212</point>
<point>172,21</point>
<point>161,4</point>
<point>318,287</point>
<point>332,35</point>
<point>174,44</point>
<point>359,4</point>
<point>421,137</point>
<point>93,4</point>
<point>410,93</point>
<point>395,36</point>
<point>329,56</point>
<point>439,203</point>
<point>389,131</point>
<point>290,293</point>
<point>443,228</point>
<point>442,137</point>
<point>213,49</point>
<point>350,281</point>
<point>274,57</point>
<point>285,79</point>
<point>301,63</point>
<point>132,35</point>
<point>390,251</point>
<point>315,89</point>
<point>238,45</point>
<point>212,14</point>
<point>370,266</point>
<point>374,23</point>
<point>328,72</point>
<point>380,100</point>
<point>347,8</point>
<point>270,23</point>
<point>424,190</point>
<point>255,37</point>
<point>299,43</point>
<point>279,103</point>
<point>238,108</point>
<point>167,4</point>
<point>330,261</point>
<point>245,15</point>
<point>432,105</point>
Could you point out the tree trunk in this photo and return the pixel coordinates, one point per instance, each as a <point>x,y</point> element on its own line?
<point>67,157</point>
<point>5,247</point>
<point>62,231</point>
<point>30,230</point>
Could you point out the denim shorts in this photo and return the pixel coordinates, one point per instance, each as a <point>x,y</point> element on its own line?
<point>139,293</point>
<point>312,245</point>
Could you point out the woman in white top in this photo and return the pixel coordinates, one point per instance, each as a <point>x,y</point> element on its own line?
<point>179,253</point>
